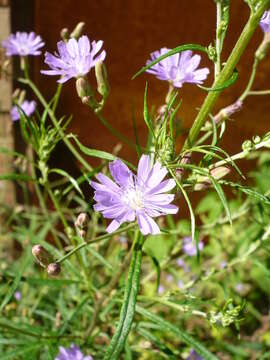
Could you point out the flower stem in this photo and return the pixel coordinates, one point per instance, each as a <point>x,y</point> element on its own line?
<point>226,72</point>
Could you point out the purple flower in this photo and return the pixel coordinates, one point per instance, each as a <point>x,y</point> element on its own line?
<point>223,264</point>
<point>265,22</point>
<point>189,247</point>
<point>23,44</point>
<point>18,295</point>
<point>179,68</point>
<point>161,289</point>
<point>27,107</point>
<point>72,353</point>
<point>75,58</point>
<point>194,356</point>
<point>130,196</point>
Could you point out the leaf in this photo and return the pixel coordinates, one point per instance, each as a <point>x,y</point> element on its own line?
<point>13,354</point>
<point>70,178</point>
<point>128,307</point>
<point>222,197</point>
<point>224,86</point>
<point>21,177</point>
<point>25,261</point>
<point>188,339</point>
<point>176,50</point>
<point>146,116</point>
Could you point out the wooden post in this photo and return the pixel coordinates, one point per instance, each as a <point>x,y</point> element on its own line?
<point>6,128</point>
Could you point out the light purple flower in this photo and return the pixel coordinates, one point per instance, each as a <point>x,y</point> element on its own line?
<point>179,68</point>
<point>23,44</point>
<point>265,22</point>
<point>27,107</point>
<point>72,353</point>
<point>75,58</point>
<point>194,356</point>
<point>223,264</point>
<point>180,284</point>
<point>129,196</point>
<point>161,289</point>
<point>18,295</point>
<point>189,247</point>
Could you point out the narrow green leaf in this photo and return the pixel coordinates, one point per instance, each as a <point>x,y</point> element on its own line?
<point>19,177</point>
<point>25,261</point>
<point>222,197</point>
<point>70,178</point>
<point>188,339</point>
<point>176,50</point>
<point>22,350</point>
<point>146,116</point>
<point>128,307</point>
<point>224,86</point>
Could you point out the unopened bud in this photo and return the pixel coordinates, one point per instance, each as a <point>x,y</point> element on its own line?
<point>42,256</point>
<point>228,111</point>
<point>102,79</point>
<point>76,33</point>
<point>85,100</point>
<point>83,88</point>
<point>247,145</point>
<point>81,220</point>
<point>203,182</point>
<point>82,233</point>
<point>263,48</point>
<point>54,269</point>
<point>21,97</point>
<point>64,34</point>
<point>16,94</point>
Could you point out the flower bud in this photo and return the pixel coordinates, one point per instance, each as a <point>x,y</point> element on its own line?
<point>217,173</point>
<point>76,33</point>
<point>83,89</point>
<point>16,94</point>
<point>64,34</point>
<point>82,233</point>
<point>21,97</point>
<point>102,80</point>
<point>54,269</point>
<point>263,48</point>
<point>247,145</point>
<point>42,256</point>
<point>228,111</point>
<point>81,220</point>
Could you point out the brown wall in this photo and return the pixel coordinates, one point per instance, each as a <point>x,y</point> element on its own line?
<point>131,30</point>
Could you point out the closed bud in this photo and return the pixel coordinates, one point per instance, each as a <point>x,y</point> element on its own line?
<point>81,220</point>
<point>263,48</point>
<point>16,94</point>
<point>82,233</point>
<point>42,256</point>
<point>54,269</point>
<point>21,97</point>
<point>83,88</point>
<point>247,145</point>
<point>228,111</point>
<point>102,79</point>
<point>64,34</point>
<point>203,182</point>
<point>76,33</point>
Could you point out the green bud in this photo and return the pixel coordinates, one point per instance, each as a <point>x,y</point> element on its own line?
<point>76,33</point>
<point>212,53</point>
<point>64,34</point>
<point>263,48</point>
<point>247,145</point>
<point>256,139</point>
<point>102,79</point>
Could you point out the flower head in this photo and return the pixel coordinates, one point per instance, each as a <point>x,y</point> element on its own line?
<point>75,58</point>
<point>194,356</point>
<point>72,353</point>
<point>18,295</point>
<point>27,107</point>
<point>23,44</point>
<point>179,68</point>
<point>189,247</point>
<point>265,22</point>
<point>130,196</point>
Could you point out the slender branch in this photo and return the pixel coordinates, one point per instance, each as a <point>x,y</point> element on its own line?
<point>226,73</point>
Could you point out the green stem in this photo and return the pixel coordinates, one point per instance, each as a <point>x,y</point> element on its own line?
<point>251,80</point>
<point>259,92</point>
<point>55,123</point>
<point>226,73</point>
<point>218,39</point>
<point>57,97</point>
<point>92,241</point>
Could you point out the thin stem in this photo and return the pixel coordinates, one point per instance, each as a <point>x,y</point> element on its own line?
<point>226,73</point>
<point>95,240</point>
<point>218,39</point>
<point>54,120</point>
<point>259,92</point>
<point>57,97</point>
<point>251,80</point>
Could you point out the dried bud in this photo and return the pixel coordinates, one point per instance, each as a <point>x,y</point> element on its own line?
<point>16,94</point>
<point>228,111</point>
<point>42,256</point>
<point>54,269</point>
<point>102,79</point>
<point>83,88</point>
<point>81,221</point>
<point>85,100</point>
<point>76,33</point>
<point>64,34</point>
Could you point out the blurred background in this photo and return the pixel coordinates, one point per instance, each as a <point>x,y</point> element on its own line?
<point>131,30</point>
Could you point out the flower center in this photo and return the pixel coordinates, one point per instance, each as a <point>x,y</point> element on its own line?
<point>133,198</point>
